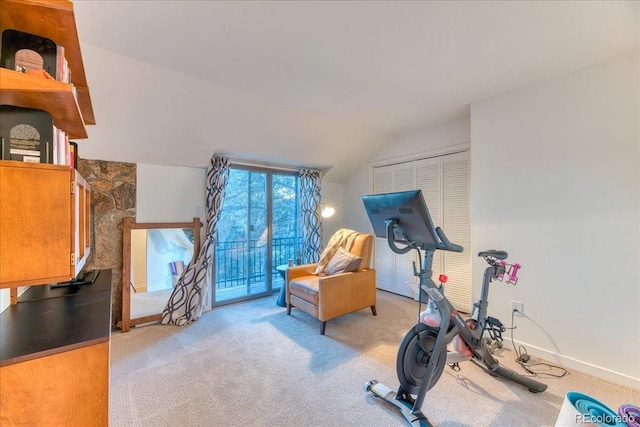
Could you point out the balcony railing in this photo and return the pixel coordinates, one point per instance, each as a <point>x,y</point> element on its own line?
<point>243,262</point>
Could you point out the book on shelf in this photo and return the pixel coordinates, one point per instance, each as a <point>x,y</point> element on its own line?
<point>73,155</point>
<point>62,147</point>
<point>60,64</point>
<point>26,134</point>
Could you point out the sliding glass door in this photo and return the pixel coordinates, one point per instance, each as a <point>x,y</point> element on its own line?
<point>259,229</point>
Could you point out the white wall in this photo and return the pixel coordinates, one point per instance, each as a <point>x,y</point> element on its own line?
<point>434,140</point>
<point>148,114</point>
<point>145,113</point>
<point>5,297</point>
<point>139,259</point>
<point>331,194</point>
<point>169,193</point>
<point>555,182</point>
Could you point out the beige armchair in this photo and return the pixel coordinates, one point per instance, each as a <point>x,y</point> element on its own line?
<point>329,296</point>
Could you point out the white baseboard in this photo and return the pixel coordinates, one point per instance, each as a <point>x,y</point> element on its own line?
<point>581,366</point>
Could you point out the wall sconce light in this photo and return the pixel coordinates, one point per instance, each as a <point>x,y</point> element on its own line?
<point>326,211</point>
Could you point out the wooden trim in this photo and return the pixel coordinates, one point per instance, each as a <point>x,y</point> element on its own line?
<point>154,225</point>
<point>145,319</point>
<point>434,152</point>
<point>129,224</point>
<point>53,351</point>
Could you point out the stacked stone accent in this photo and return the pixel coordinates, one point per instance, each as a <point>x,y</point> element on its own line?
<point>113,197</point>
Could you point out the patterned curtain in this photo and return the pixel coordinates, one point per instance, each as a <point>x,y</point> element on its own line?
<point>312,223</point>
<point>187,300</point>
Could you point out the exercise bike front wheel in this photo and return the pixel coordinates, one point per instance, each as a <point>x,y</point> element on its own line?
<point>414,355</point>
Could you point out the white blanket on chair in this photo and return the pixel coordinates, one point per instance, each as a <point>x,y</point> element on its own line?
<point>342,238</point>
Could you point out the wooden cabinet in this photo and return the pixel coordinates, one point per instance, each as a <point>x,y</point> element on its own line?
<point>44,223</point>
<point>54,356</point>
<point>45,209</point>
<point>31,391</point>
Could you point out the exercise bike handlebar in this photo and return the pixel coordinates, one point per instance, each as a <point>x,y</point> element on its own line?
<point>442,242</point>
<point>445,243</point>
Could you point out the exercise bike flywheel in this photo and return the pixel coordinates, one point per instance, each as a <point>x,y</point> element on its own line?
<point>414,354</point>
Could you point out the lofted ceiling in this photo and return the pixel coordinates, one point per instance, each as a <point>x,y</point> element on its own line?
<point>371,71</point>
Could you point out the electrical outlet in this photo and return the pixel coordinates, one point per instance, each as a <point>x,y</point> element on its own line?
<point>518,307</point>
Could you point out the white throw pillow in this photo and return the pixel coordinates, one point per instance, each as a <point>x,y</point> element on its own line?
<point>342,262</point>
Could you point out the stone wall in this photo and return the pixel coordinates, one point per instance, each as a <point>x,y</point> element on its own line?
<point>113,197</point>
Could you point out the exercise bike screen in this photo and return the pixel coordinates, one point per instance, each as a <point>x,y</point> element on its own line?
<point>411,212</point>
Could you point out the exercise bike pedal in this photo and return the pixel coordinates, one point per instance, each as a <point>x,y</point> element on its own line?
<point>492,345</point>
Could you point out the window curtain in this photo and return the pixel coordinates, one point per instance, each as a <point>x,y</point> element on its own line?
<point>312,223</point>
<point>187,300</point>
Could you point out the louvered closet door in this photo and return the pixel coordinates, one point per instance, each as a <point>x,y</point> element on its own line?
<point>444,182</point>
<point>456,224</point>
<point>428,179</point>
<point>394,271</point>
<point>384,258</point>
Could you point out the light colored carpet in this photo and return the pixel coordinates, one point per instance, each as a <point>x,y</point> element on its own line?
<point>148,303</point>
<point>250,364</point>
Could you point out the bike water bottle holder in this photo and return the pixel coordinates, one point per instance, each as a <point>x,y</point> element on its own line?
<point>512,272</point>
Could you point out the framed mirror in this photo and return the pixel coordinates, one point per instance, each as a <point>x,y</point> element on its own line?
<point>153,258</point>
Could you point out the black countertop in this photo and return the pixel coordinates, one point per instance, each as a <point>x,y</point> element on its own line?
<point>52,320</point>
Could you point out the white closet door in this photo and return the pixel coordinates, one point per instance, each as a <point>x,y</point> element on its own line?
<point>384,257</point>
<point>444,182</point>
<point>394,271</point>
<point>456,225</point>
<point>429,180</point>
<point>404,181</point>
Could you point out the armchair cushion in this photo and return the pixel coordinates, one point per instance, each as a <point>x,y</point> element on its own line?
<point>342,262</point>
<point>344,238</point>
<point>305,287</point>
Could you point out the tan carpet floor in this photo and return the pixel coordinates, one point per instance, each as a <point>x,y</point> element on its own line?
<point>250,364</point>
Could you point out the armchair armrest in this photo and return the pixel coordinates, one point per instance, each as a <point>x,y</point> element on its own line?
<point>335,295</point>
<point>299,271</point>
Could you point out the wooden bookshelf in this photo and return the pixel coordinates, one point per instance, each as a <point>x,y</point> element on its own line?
<point>55,20</point>
<point>24,90</point>
<point>45,209</point>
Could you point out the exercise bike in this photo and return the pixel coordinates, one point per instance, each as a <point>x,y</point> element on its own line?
<point>403,218</point>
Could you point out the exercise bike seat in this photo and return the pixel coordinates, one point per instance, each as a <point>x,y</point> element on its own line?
<point>492,253</point>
